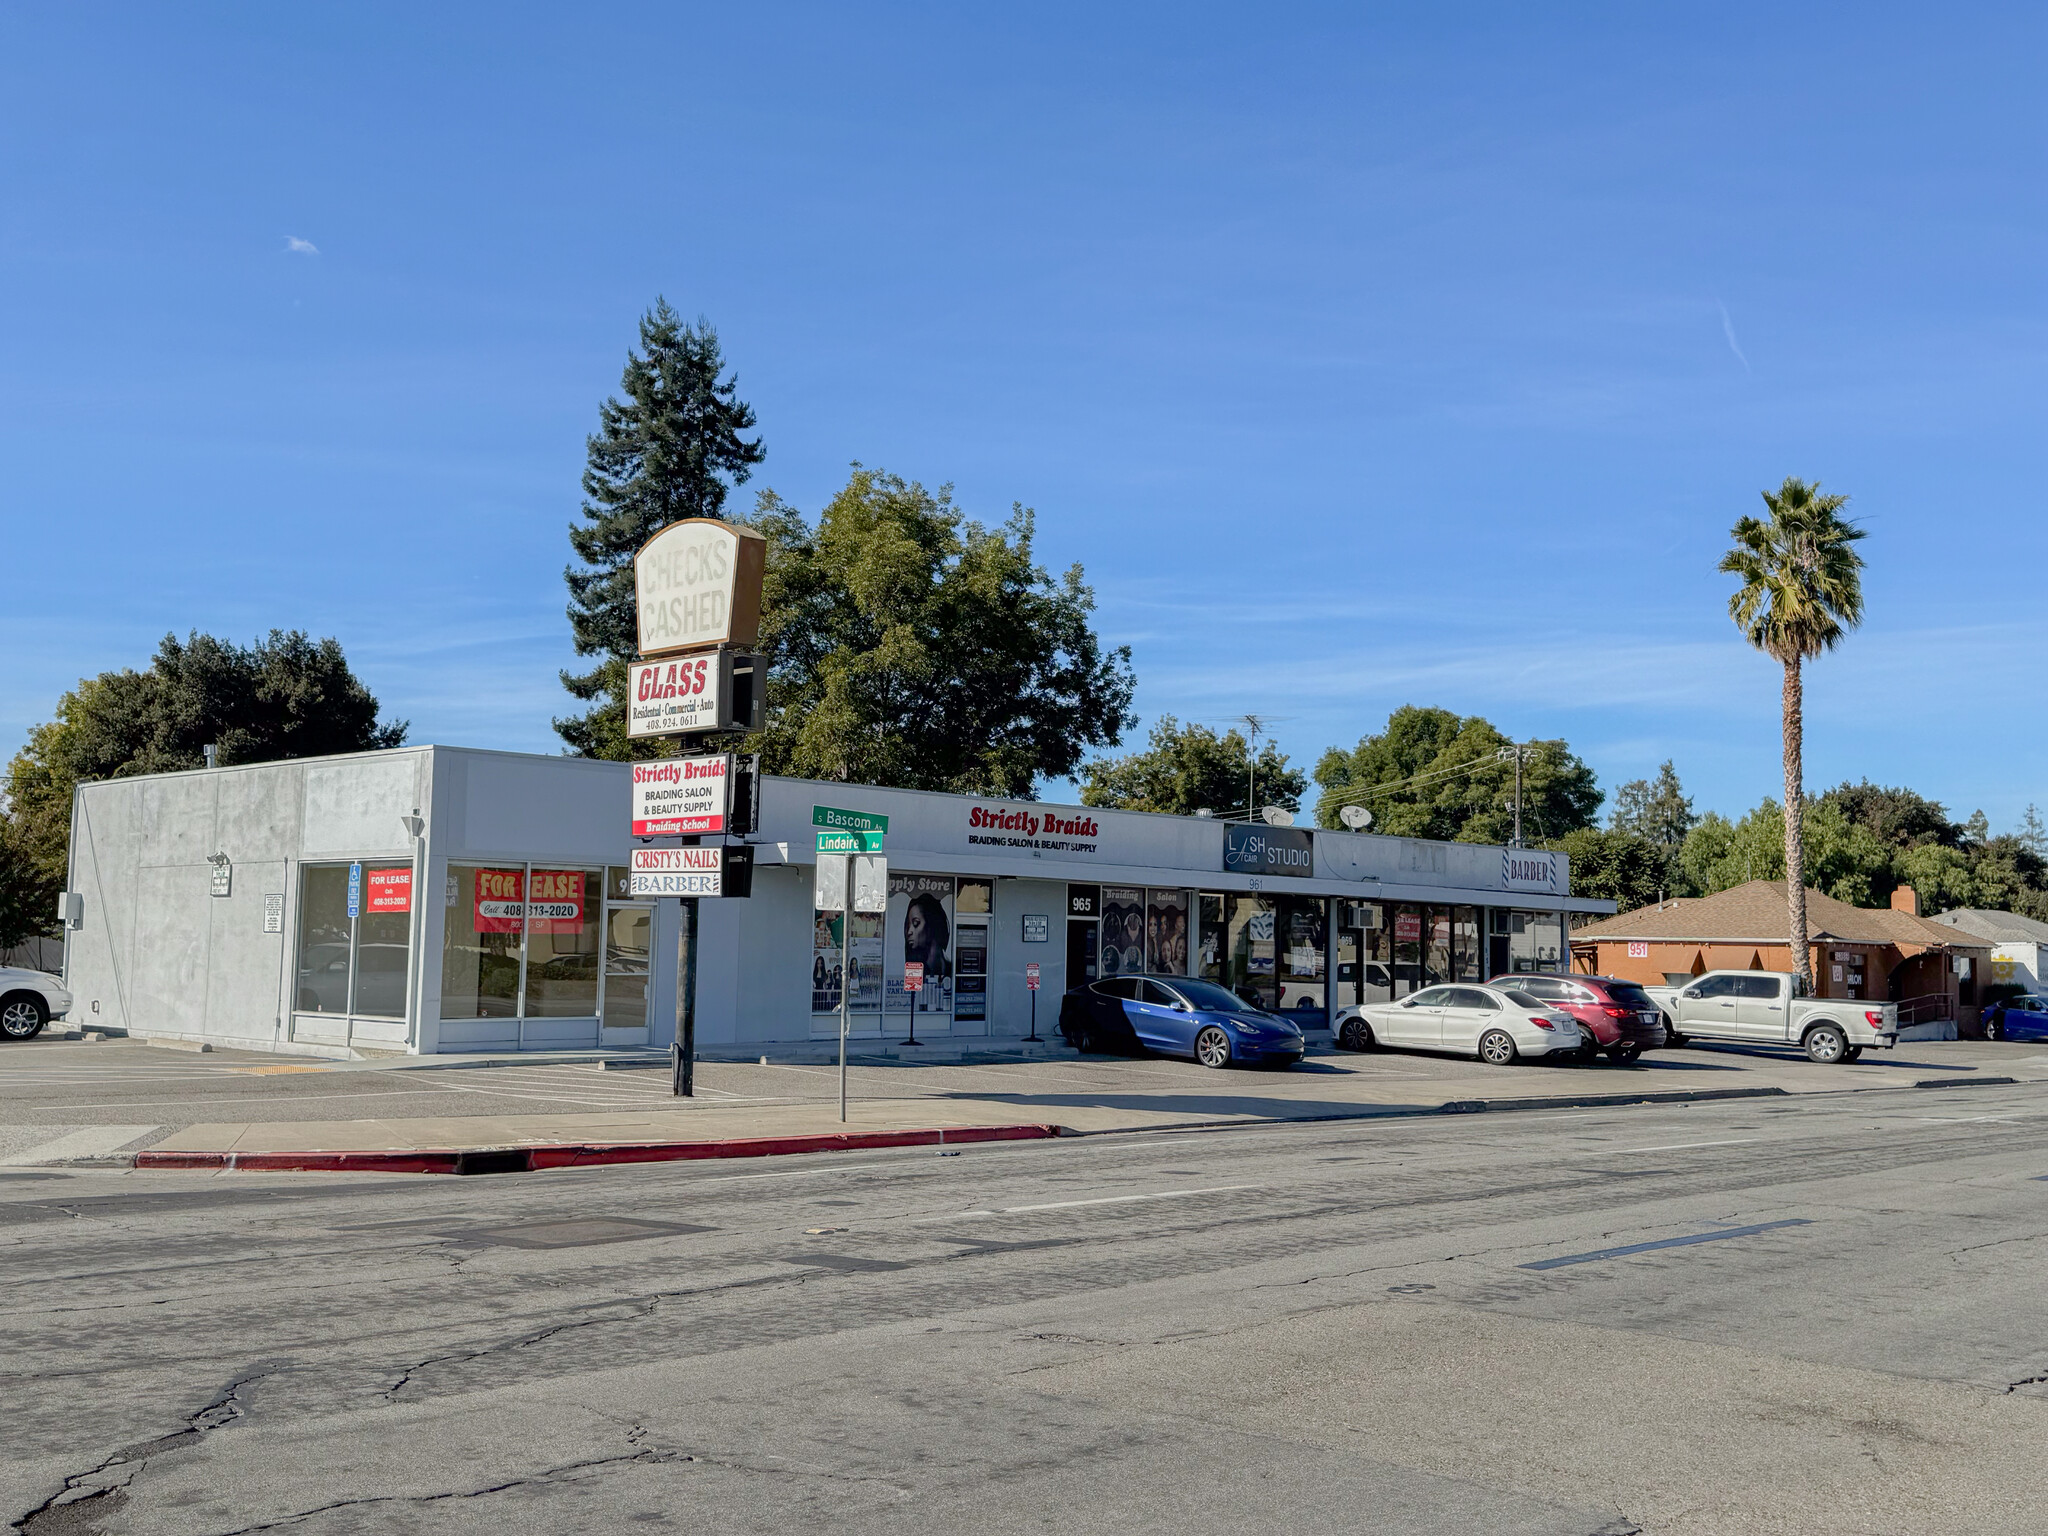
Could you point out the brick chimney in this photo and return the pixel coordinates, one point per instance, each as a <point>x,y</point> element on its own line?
<point>1906,899</point>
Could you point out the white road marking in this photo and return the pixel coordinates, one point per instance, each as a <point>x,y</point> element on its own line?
<point>1067,1205</point>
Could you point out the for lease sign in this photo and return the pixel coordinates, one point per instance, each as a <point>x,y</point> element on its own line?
<point>679,871</point>
<point>665,698</point>
<point>682,795</point>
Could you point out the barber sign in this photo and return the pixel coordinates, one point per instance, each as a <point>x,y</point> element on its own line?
<point>679,871</point>
<point>681,796</point>
<point>913,976</point>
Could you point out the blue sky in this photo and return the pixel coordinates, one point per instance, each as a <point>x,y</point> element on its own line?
<point>1363,356</point>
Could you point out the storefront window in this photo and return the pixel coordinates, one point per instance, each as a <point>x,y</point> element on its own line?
<point>628,945</point>
<point>1123,930</point>
<point>1436,959</point>
<point>562,943</point>
<point>1465,944</point>
<point>1212,953</point>
<point>1527,941</point>
<point>383,941</point>
<point>1364,953</point>
<point>1304,933</point>
<point>1254,965</point>
<point>480,942</point>
<point>1410,974</point>
<point>1166,932</point>
<point>354,963</point>
<point>323,939</point>
<point>970,951</point>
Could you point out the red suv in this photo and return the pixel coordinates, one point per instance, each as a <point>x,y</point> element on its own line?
<point>1619,1015</point>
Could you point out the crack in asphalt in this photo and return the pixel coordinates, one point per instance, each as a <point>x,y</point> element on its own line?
<point>73,1510</point>
<point>620,1312</point>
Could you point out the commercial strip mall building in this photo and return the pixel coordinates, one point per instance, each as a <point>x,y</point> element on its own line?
<point>278,907</point>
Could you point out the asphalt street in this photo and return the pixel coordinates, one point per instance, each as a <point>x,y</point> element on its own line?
<point>1803,1315</point>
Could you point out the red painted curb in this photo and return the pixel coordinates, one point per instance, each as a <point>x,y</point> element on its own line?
<point>583,1154</point>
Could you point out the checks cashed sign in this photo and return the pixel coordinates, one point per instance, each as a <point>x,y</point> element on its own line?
<point>681,796</point>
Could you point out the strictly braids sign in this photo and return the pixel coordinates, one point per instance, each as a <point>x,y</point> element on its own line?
<point>682,796</point>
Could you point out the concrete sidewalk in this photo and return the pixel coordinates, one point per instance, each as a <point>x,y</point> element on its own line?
<point>1109,1094</point>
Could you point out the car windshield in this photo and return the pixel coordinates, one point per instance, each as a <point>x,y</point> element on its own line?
<point>1629,995</point>
<point>1206,994</point>
<point>1523,1000</point>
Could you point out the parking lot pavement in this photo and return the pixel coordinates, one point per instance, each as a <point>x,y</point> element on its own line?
<point>62,1101</point>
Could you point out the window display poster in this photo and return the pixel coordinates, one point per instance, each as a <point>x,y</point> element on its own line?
<point>921,922</point>
<point>391,890</point>
<point>970,987</point>
<point>827,962</point>
<point>556,904</point>
<point>1166,933</point>
<point>864,963</point>
<point>1123,930</point>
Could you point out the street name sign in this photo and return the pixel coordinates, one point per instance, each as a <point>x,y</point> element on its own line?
<point>849,842</point>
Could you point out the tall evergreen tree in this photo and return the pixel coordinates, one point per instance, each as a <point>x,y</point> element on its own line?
<point>671,448</point>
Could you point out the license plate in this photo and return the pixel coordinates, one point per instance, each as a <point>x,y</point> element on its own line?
<point>1647,1018</point>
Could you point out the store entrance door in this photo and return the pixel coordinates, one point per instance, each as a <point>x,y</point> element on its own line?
<point>1083,963</point>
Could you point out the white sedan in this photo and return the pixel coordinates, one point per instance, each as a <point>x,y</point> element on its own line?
<point>1495,1024</point>
<point>28,1001</point>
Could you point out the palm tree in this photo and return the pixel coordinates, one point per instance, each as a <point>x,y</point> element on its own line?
<point>1802,590</point>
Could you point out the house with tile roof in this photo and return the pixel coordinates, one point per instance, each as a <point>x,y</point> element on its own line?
<point>1932,970</point>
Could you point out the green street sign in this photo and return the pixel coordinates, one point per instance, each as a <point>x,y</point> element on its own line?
<point>849,842</point>
<point>848,821</point>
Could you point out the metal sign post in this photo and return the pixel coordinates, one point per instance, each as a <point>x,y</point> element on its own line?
<point>1031,981</point>
<point>830,895</point>
<point>913,983</point>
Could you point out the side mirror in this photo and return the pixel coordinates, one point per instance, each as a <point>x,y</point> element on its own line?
<point>1182,1008</point>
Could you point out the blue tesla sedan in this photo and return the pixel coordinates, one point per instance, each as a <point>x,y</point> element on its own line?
<point>1179,1016</point>
<point>2018,1018</point>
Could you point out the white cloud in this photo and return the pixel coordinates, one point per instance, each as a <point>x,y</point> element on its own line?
<point>1728,330</point>
<point>301,247</point>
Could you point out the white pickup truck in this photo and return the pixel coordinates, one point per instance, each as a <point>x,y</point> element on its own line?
<point>1757,1008</point>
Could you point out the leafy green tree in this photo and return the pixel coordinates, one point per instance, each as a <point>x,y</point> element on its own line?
<point>1623,867</point>
<point>1432,773</point>
<point>1658,811</point>
<point>1801,592</point>
<point>1705,852</point>
<point>285,696</point>
<point>911,647</point>
<point>1186,768</point>
<point>671,448</point>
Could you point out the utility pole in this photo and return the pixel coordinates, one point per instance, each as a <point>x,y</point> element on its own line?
<point>1517,752</point>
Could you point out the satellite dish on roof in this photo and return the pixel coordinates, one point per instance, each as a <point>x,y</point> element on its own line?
<point>1276,816</point>
<point>1356,817</point>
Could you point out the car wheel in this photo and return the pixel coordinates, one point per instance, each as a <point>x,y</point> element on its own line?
<point>1826,1044</point>
<point>1355,1035</point>
<point>1852,1053</point>
<point>22,1015</point>
<point>1212,1047</point>
<point>1672,1037</point>
<point>1497,1048</point>
<point>1994,1029</point>
<point>1622,1055</point>
<point>1084,1040</point>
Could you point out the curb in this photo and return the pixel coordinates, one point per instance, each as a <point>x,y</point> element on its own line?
<point>476,1160</point>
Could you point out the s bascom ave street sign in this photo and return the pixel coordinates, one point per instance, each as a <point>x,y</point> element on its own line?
<point>698,585</point>
<point>682,795</point>
<point>679,871</point>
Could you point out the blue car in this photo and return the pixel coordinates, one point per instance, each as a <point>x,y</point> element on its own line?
<point>1178,1016</point>
<point>2017,1018</point>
